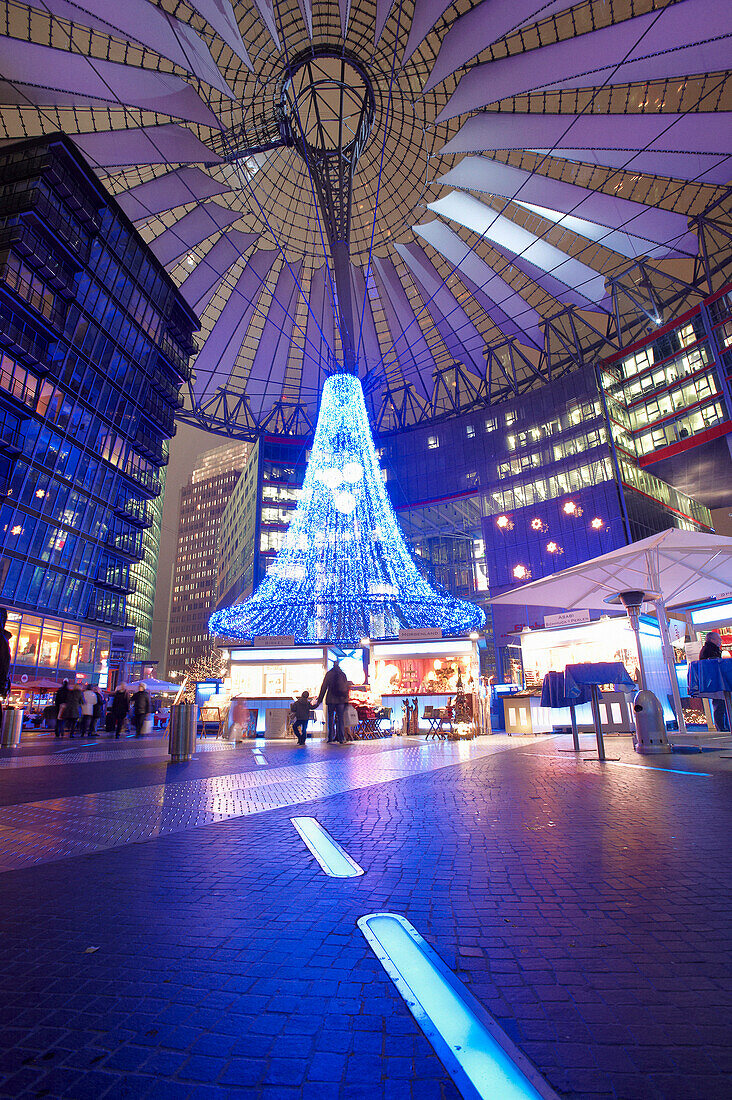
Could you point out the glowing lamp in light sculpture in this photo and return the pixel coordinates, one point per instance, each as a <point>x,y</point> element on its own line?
<point>344,570</point>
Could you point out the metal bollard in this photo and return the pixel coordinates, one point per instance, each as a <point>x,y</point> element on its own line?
<point>182,734</point>
<point>12,727</point>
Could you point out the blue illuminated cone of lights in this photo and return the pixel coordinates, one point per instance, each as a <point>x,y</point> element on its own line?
<point>344,571</point>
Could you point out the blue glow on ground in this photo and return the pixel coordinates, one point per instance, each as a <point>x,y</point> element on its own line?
<point>481,1059</point>
<point>650,768</point>
<point>332,858</point>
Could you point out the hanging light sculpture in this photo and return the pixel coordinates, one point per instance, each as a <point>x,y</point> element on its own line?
<point>344,570</point>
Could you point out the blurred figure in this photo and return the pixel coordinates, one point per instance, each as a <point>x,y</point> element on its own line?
<point>59,702</point>
<point>98,712</point>
<point>141,707</point>
<point>88,702</point>
<point>350,721</point>
<point>72,710</point>
<point>120,708</point>
<point>5,655</point>
<point>712,651</point>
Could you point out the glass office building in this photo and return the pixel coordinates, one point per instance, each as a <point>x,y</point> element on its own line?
<point>503,495</point>
<point>669,403</point>
<point>95,341</point>
<point>202,504</point>
<point>256,518</point>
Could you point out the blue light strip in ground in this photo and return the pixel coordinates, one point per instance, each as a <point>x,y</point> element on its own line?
<point>650,768</point>
<point>481,1059</point>
<point>332,858</point>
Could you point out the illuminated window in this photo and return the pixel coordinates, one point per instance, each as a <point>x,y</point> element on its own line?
<point>433,442</point>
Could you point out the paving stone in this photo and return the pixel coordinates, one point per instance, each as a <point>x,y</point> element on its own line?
<point>586,907</point>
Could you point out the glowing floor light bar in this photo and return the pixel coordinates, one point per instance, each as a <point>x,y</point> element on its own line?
<point>478,1055</point>
<point>332,858</point>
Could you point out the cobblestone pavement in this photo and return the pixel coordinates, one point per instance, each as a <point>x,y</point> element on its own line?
<point>585,905</point>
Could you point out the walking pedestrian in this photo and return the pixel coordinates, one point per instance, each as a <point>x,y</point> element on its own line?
<point>141,707</point>
<point>712,651</point>
<point>120,708</point>
<point>72,710</point>
<point>98,711</point>
<point>59,702</point>
<point>5,654</point>
<point>334,689</point>
<point>350,721</point>
<point>301,713</point>
<point>88,702</point>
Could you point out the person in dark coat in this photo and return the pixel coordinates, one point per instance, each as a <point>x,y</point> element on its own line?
<point>5,655</point>
<point>72,709</point>
<point>59,702</point>
<point>141,707</point>
<point>334,689</point>
<point>120,708</point>
<point>712,651</point>
<point>98,711</point>
<point>301,711</point>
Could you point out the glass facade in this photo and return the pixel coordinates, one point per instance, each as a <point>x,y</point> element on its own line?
<point>495,498</point>
<point>670,394</point>
<point>44,647</point>
<point>202,505</point>
<point>257,516</point>
<point>94,341</point>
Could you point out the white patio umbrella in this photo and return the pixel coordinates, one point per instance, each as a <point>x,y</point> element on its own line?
<point>675,568</point>
<point>155,687</point>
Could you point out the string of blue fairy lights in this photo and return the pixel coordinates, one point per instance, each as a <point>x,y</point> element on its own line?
<point>344,571</point>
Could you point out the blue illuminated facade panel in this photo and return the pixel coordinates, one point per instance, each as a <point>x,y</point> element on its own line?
<point>94,345</point>
<point>669,403</point>
<point>532,486</point>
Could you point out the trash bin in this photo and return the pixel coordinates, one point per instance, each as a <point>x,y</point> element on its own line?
<point>182,733</point>
<point>650,725</point>
<point>12,727</point>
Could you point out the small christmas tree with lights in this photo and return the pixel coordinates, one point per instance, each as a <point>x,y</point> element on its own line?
<point>344,571</point>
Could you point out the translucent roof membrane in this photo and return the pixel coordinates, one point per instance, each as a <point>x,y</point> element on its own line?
<point>524,154</point>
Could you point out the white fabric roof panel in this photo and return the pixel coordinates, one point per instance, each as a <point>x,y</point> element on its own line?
<point>148,24</point>
<point>166,144</point>
<point>217,357</point>
<point>44,74</point>
<point>176,188</point>
<point>663,228</point>
<point>200,286</point>
<point>688,37</point>
<point>191,229</point>
<point>485,222</point>
<point>517,316</point>
<point>458,332</point>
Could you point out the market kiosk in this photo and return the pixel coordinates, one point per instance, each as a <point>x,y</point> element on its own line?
<point>423,665</point>
<point>584,641</point>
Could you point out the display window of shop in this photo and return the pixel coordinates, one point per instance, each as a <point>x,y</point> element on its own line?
<point>13,627</point>
<point>420,675</point>
<point>69,652</point>
<point>29,640</point>
<point>85,657</point>
<point>48,656</point>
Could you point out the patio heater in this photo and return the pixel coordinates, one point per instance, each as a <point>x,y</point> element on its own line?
<point>650,726</point>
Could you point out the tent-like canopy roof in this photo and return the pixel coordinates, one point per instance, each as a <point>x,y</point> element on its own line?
<point>524,155</point>
<point>681,567</point>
